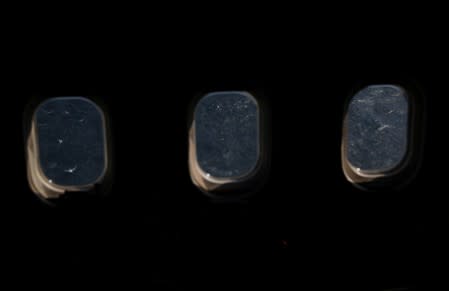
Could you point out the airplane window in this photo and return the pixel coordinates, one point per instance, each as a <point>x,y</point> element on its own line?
<point>225,148</point>
<point>377,129</point>
<point>66,146</point>
<point>376,135</point>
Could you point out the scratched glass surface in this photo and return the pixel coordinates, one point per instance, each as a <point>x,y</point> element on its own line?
<point>227,134</point>
<point>70,134</point>
<point>377,128</point>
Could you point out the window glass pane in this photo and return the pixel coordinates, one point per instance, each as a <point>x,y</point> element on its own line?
<point>226,152</point>
<point>70,133</point>
<point>227,134</point>
<point>377,129</point>
<point>66,147</point>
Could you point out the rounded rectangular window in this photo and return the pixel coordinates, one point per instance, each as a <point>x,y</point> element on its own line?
<point>379,134</point>
<point>226,142</point>
<point>67,147</point>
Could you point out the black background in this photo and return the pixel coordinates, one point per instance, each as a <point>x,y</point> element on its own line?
<point>307,227</point>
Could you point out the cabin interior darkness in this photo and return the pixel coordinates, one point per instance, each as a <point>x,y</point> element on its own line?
<point>306,227</point>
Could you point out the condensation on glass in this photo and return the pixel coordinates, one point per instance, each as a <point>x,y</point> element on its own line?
<point>225,144</point>
<point>66,147</point>
<point>376,133</point>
